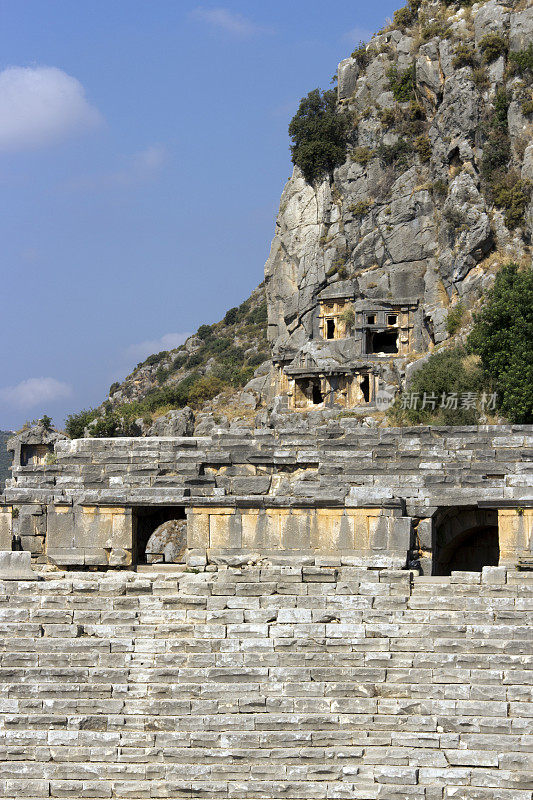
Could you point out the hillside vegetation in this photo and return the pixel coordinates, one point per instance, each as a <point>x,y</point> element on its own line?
<point>219,358</point>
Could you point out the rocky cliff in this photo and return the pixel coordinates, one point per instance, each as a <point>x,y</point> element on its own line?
<point>431,195</point>
<point>435,189</point>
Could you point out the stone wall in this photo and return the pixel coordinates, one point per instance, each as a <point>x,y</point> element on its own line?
<point>288,491</point>
<point>5,458</point>
<point>279,682</point>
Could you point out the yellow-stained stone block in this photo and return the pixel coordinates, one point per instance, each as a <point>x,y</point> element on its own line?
<point>515,528</point>
<point>219,534</point>
<point>328,530</point>
<point>252,531</point>
<point>296,530</point>
<point>327,533</point>
<point>122,530</point>
<point>106,527</point>
<point>197,529</point>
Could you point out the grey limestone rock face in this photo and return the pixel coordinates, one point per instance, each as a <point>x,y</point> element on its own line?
<point>348,73</point>
<point>492,17</point>
<point>167,543</point>
<point>175,423</point>
<point>416,228</point>
<point>521,29</point>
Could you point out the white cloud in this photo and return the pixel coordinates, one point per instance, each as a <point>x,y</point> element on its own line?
<point>34,392</point>
<point>228,21</point>
<point>356,35</point>
<point>40,106</point>
<point>169,341</point>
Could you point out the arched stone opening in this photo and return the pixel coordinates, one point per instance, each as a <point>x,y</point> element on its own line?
<point>159,534</point>
<point>465,538</point>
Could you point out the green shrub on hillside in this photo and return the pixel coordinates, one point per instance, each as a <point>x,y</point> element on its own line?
<point>402,84</point>
<point>162,374</point>
<point>512,194</point>
<point>496,155</point>
<point>422,145</point>
<point>179,362</point>
<point>258,315</point>
<point>388,117</point>
<point>205,332</point>
<point>361,55</point>
<point>362,155</point>
<point>360,209</point>
<point>493,45</point>
<point>396,155</point>
<point>107,426</point>
<point>403,17</point>
<point>155,358</point>
<point>464,56</point>
<point>435,27</point>
<point>503,338</point>
<point>522,61</point>
<point>205,389</point>
<point>448,373</point>
<point>455,318</point>
<point>231,316</point>
<point>319,135</point>
<point>75,424</point>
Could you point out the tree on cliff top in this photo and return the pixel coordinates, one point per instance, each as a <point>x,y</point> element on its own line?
<point>318,134</point>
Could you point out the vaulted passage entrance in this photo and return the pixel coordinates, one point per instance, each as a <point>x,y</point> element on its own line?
<point>159,534</point>
<point>465,538</point>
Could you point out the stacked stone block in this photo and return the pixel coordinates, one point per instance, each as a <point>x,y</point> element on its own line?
<point>77,511</point>
<point>274,682</point>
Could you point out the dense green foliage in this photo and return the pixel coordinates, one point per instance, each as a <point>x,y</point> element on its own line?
<point>493,45</point>
<point>522,61</point>
<point>512,194</point>
<point>402,84</point>
<point>319,135</point>
<point>76,423</point>
<point>505,188</point>
<point>503,337</point>
<point>455,318</point>
<point>464,56</point>
<point>498,358</point>
<point>446,373</point>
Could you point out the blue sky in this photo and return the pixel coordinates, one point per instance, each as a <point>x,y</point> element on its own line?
<point>143,151</point>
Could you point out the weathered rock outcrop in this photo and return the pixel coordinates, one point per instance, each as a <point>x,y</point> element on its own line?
<point>411,214</point>
<point>175,423</point>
